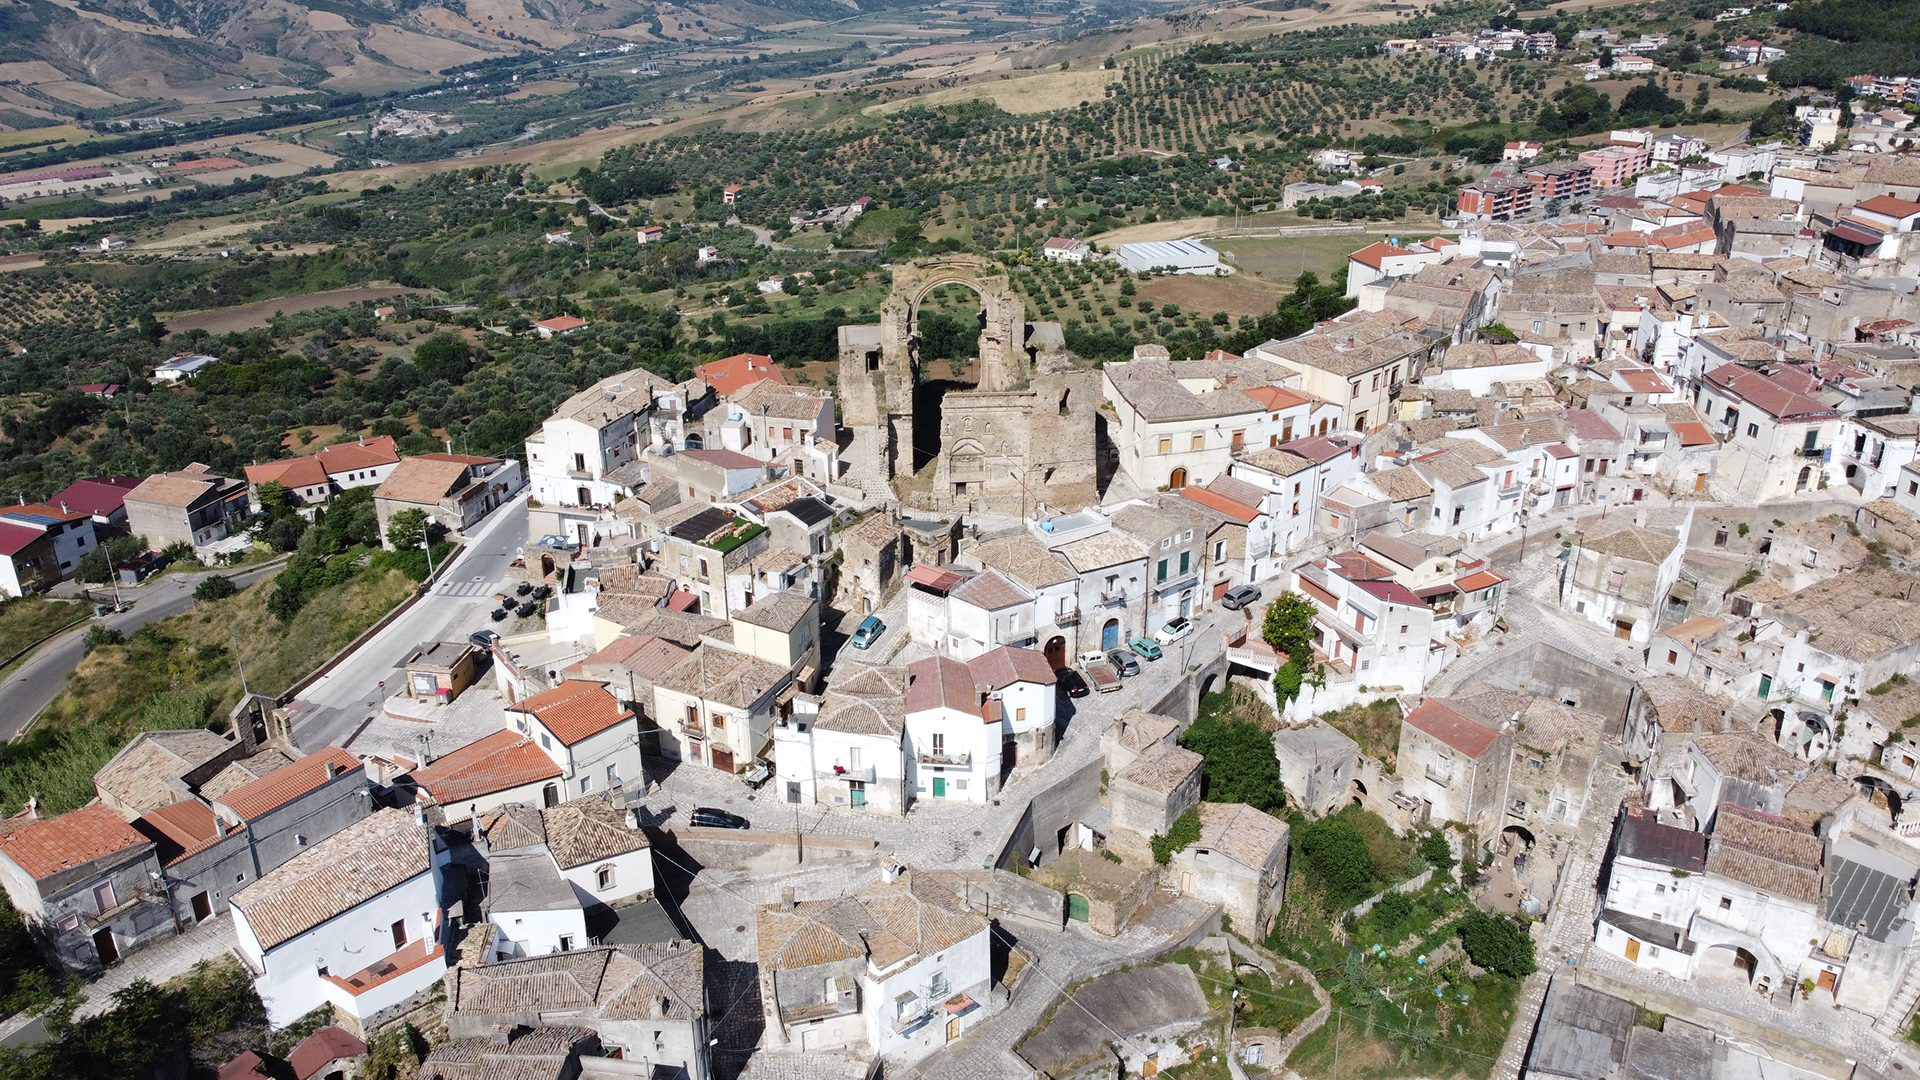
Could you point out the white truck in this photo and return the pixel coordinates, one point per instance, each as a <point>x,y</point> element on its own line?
<point>1100,672</point>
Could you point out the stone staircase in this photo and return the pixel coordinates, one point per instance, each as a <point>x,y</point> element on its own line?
<point>1893,1019</point>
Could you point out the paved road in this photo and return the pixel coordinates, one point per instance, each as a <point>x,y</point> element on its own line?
<point>330,711</point>
<point>34,684</point>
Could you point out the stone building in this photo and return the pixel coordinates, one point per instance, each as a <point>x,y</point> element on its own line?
<point>1240,863</point>
<point>1021,439</point>
<point>1317,766</point>
<point>86,884</point>
<point>1453,764</point>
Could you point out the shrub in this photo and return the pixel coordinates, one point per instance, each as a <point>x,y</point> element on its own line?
<point>1237,762</point>
<point>1183,834</point>
<point>1338,858</point>
<point>1436,852</point>
<point>1499,943</point>
<point>215,587</point>
<point>99,635</point>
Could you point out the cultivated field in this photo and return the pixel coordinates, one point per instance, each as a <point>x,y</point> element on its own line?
<point>1033,94</point>
<point>1206,295</point>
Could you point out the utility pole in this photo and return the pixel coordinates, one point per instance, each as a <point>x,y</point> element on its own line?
<point>241,664</point>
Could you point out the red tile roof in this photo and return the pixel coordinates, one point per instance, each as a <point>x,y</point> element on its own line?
<point>297,472</point>
<point>1374,254</point>
<point>27,510</point>
<point>1484,579</point>
<point>643,653</point>
<point>323,1048</point>
<point>575,709</point>
<point>464,459</point>
<point>180,829</point>
<point>1889,206</point>
<point>1692,433</point>
<point>1007,665</point>
<point>1391,592</point>
<point>256,798</point>
<point>98,495</point>
<point>934,577</point>
<point>360,454</point>
<point>15,538</point>
<point>1588,424</point>
<point>1221,503</point>
<point>725,459</point>
<point>562,323</point>
<point>1764,392</point>
<point>502,761</point>
<point>1644,381</point>
<point>1467,736</point>
<point>1275,398</point>
<point>737,372</point>
<point>49,846</point>
<point>939,683</point>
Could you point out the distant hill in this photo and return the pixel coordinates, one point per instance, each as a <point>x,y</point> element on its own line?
<point>1849,37</point>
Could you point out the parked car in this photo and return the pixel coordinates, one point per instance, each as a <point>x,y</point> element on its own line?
<point>709,817</point>
<point>1174,631</point>
<point>868,632</point>
<point>1240,596</point>
<point>1102,676</point>
<point>1124,662</point>
<point>1145,648</point>
<point>483,639</point>
<point>1070,683</point>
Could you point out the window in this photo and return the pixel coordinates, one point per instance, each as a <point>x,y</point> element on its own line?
<point>566,942</point>
<point>1199,442</point>
<point>1720,538</point>
<point>545,743</point>
<point>719,721</point>
<point>1673,657</point>
<point>103,898</point>
<point>579,463</point>
<point>1296,508</point>
<point>1376,381</point>
<point>959,785</point>
<point>1753,431</point>
<point>1166,446</point>
<point>1219,551</point>
<point>1186,558</point>
<point>1458,511</point>
<point>703,568</point>
<point>399,933</point>
<point>299,839</point>
<point>1616,579</point>
<point>1161,572</point>
<point>937,986</point>
<point>939,743</point>
<point>586,784</point>
<point>1356,391</point>
<point>1726,903</point>
<point>786,433</point>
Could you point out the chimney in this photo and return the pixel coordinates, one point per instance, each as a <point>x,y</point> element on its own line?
<point>333,769</point>
<point>786,898</point>
<point>891,870</point>
<point>1640,518</point>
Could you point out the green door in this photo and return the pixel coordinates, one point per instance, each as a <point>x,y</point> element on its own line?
<point>858,791</point>
<point>1766,686</point>
<point>1076,907</point>
<point>939,787</point>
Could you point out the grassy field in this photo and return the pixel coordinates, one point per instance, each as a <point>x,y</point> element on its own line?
<point>26,619</point>
<point>1281,259</point>
<point>1375,726</point>
<point>182,672</point>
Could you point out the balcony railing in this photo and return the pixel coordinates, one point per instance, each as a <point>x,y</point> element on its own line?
<point>853,772</point>
<point>963,760</point>
<point>844,1004</point>
<point>1443,779</point>
<point>1067,617</point>
<point>1811,451</point>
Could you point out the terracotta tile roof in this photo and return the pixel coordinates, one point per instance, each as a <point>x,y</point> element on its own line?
<point>180,829</point>
<point>282,786</point>
<point>940,683</point>
<point>864,699</point>
<point>725,459</point>
<point>643,654</point>
<point>1214,501</point>
<point>989,591</point>
<point>244,771</point>
<point>335,876</point>
<point>589,830</point>
<point>1628,541</point>
<point>724,675</point>
<point>1452,728</point>
<point>1024,559</point>
<point>1161,768</point>
<point>421,480</point>
<point>1391,592</point>
<point>1770,853</point>
<point>562,323</point>
<point>359,454</point>
<point>1007,665</point>
<point>48,846</point>
<point>1890,206</point>
<point>606,982</point>
<point>1692,433</point>
<point>179,489</point>
<point>937,578</point>
<point>513,826</point>
<point>575,709</point>
<point>137,776</point>
<point>1474,582</point>
<point>1101,550</point>
<point>1279,462</point>
<point>1763,391</point>
<point>737,372</point>
<point>1644,380</point>
<point>500,762</point>
<point>885,924</point>
<point>300,472</point>
<point>1241,833</point>
<point>323,1048</point>
<point>1587,424</point>
<point>782,612</point>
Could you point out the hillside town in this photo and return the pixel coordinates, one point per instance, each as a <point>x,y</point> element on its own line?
<point>809,731</point>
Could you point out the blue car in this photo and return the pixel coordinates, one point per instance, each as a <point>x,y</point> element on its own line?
<point>868,632</point>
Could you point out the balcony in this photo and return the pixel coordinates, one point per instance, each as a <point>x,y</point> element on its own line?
<point>388,981</point>
<point>1116,598</point>
<point>964,761</point>
<point>1811,451</point>
<point>845,1003</point>
<point>853,772</point>
<point>1444,779</point>
<point>1069,617</point>
<point>1509,491</point>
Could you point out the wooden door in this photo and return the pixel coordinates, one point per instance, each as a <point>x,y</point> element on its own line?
<point>953,1029</point>
<point>1828,980</point>
<point>722,759</point>
<point>939,787</point>
<point>202,908</point>
<point>103,943</point>
<point>1633,950</point>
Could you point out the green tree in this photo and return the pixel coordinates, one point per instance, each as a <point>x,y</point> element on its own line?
<point>443,356</point>
<point>407,529</point>
<point>1338,858</point>
<point>1436,852</point>
<point>1289,624</point>
<point>275,500</point>
<point>1498,943</point>
<point>1237,762</point>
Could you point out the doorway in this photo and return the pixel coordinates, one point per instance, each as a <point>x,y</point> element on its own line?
<point>857,792</point>
<point>1623,629</point>
<point>1110,634</point>
<point>722,759</point>
<point>953,1029</point>
<point>202,908</point>
<point>939,787</point>
<point>1076,907</point>
<point>1177,479</point>
<point>1056,651</point>
<point>550,795</point>
<point>104,944</point>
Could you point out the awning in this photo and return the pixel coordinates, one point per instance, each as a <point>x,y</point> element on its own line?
<point>1855,235</point>
<point>961,1005</point>
<point>933,577</point>
<point>1433,591</point>
<point>681,600</point>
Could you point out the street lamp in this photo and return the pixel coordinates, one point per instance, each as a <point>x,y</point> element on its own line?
<point>426,541</point>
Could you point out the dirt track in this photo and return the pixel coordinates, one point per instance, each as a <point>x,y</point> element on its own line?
<point>247,316</point>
